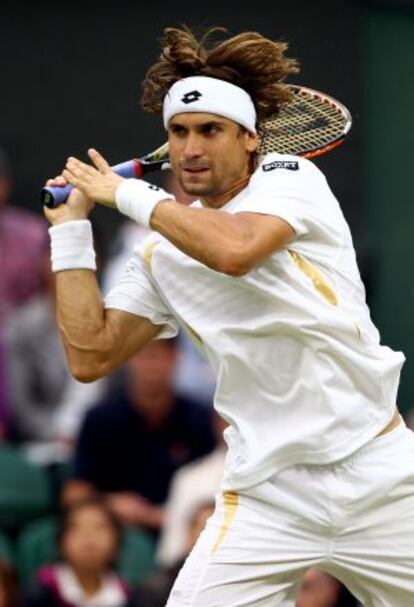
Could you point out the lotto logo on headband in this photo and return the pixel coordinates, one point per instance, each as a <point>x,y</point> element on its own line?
<point>212,96</point>
<point>191,96</point>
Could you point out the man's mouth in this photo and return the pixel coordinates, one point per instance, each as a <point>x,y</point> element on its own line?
<point>194,170</point>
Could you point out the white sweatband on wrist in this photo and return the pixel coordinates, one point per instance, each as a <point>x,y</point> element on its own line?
<point>137,199</point>
<point>211,95</point>
<point>71,246</point>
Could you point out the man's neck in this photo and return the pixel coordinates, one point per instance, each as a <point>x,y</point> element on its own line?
<point>216,202</point>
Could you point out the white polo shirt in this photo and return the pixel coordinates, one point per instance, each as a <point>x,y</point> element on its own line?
<point>301,374</point>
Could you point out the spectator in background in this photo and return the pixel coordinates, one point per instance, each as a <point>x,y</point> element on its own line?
<point>319,589</point>
<point>88,542</point>
<point>193,484</point>
<point>9,591</point>
<point>154,591</point>
<point>23,241</point>
<point>76,400</point>
<point>131,444</point>
<point>39,377</point>
<point>37,369</point>
<point>3,388</point>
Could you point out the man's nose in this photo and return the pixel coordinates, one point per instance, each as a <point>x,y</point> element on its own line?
<point>193,147</point>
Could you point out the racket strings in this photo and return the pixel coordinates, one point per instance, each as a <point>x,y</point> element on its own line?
<point>307,123</point>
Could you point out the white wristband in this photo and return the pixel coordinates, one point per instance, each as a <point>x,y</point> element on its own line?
<point>137,199</point>
<point>72,246</point>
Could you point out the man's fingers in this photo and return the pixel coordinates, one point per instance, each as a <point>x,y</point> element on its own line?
<point>98,160</point>
<point>73,167</point>
<point>58,180</point>
<point>72,179</point>
<point>79,178</point>
<point>68,175</point>
<point>76,166</point>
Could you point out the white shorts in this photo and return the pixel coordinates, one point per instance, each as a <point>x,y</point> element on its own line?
<point>353,519</point>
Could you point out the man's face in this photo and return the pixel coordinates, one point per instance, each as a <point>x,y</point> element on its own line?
<point>208,153</point>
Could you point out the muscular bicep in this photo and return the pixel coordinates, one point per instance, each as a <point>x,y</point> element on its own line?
<point>263,235</point>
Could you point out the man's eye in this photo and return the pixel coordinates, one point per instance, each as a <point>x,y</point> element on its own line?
<point>211,128</point>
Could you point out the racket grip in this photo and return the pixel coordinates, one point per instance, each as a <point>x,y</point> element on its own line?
<point>53,196</point>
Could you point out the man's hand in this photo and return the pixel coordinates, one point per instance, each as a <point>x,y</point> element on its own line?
<point>98,183</point>
<point>77,206</point>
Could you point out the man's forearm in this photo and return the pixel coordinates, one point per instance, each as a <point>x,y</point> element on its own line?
<point>215,238</point>
<point>96,340</point>
<point>81,319</point>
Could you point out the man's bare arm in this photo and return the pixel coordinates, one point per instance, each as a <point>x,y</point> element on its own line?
<point>96,340</point>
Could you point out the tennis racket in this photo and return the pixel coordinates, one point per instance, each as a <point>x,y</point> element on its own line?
<point>312,124</point>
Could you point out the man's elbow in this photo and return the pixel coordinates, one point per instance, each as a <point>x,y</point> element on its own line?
<point>236,270</point>
<point>235,265</point>
<point>84,375</point>
<point>87,363</point>
<point>87,372</point>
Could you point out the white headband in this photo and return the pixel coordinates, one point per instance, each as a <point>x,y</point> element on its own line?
<point>211,95</point>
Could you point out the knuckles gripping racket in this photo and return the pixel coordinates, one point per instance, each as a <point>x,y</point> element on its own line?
<point>312,124</point>
<point>53,196</point>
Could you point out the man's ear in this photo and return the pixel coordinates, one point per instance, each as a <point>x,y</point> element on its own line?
<point>252,141</point>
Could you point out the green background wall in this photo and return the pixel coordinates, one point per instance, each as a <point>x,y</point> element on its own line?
<point>387,120</point>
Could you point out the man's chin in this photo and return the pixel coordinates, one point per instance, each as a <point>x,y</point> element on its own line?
<point>196,189</point>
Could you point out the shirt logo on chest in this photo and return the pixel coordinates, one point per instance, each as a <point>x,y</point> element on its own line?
<point>291,165</point>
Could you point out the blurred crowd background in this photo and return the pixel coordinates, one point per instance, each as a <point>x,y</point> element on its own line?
<point>104,487</point>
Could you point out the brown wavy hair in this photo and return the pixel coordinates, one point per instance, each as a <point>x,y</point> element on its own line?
<point>248,60</point>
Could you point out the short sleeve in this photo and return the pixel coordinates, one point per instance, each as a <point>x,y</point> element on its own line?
<point>288,187</point>
<point>136,293</point>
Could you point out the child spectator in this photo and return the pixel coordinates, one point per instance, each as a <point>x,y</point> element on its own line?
<point>88,542</point>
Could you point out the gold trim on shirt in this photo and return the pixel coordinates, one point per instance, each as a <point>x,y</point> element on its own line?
<point>147,254</point>
<point>319,281</point>
<point>231,503</point>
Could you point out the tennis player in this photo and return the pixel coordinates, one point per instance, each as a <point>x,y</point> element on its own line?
<point>261,271</point>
